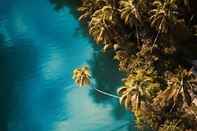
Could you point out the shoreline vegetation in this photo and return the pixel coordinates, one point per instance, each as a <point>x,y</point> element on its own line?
<point>155,45</point>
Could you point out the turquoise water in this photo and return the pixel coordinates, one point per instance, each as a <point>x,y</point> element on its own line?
<point>39,48</point>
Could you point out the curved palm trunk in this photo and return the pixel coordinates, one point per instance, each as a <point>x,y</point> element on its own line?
<point>104,93</point>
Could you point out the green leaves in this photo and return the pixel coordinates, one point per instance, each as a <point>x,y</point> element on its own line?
<point>137,88</point>
<point>162,14</point>
<point>98,25</point>
<point>82,76</point>
<point>125,97</point>
<point>129,13</point>
<point>157,81</point>
<point>171,126</point>
<point>89,7</point>
<point>178,87</point>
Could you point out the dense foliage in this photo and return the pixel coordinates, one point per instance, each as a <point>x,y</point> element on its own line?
<point>153,42</point>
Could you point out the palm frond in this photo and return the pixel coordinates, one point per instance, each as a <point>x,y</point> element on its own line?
<point>82,76</point>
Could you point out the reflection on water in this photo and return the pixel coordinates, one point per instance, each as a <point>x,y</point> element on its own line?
<point>39,48</point>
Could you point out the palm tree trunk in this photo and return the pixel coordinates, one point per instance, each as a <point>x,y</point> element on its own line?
<point>105,93</point>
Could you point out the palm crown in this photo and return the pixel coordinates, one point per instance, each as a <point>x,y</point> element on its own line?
<point>81,76</point>
<point>162,14</point>
<point>129,12</point>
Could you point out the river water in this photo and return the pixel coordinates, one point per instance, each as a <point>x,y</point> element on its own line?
<point>39,48</point>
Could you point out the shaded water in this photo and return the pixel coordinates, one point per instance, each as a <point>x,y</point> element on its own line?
<point>39,48</point>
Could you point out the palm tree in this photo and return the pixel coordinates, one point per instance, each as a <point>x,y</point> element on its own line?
<point>99,24</point>
<point>82,76</point>
<point>129,12</point>
<point>171,126</point>
<point>101,28</point>
<point>154,80</point>
<point>162,14</point>
<point>129,96</point>
<point>86,9</point>
<point>137,89</point>
<point>89,7</point>
<point>178,85</point>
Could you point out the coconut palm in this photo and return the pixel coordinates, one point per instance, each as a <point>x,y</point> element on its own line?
<point>153,77</point>
<point>101,28</point>
<point>171,126</point>
<point>137,88</point>
<point>177,86</point>
<point>162,14</point>
<point>129,96</point>
<point>82,76</point>
<point>99,24</point>
<point>89,7</point>
<point>129,12</point>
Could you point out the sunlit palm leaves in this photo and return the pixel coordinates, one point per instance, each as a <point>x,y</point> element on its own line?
<point>147,84</point>
<point>164,98</point>
<point>88,7</point>
<point>162,14</point>
<point>81,76</point>
<point>129,12</point>
<point>178,85</point>
<point>101,22</point>
<point>123,58</point>
<point>99,25</point>
<point>171,126</point>
<point>128,96</point>
<point>137,89</point>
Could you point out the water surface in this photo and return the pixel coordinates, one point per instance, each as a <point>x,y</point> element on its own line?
<point>39,48</point>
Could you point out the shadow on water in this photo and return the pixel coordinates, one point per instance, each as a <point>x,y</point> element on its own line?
<point>24,100</point>
<point>104,70</point>
<point>105,74</point>
<point>60,4</point>
<point>72,5</point>
<point>107,78</point>
<point>15,63</point>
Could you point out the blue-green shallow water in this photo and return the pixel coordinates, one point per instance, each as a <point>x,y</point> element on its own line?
<point>39,48</point>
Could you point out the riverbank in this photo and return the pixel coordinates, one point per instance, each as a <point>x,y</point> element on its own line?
<point>148,40</point>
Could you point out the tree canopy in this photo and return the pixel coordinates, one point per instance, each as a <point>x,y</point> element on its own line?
<point>154,43</point>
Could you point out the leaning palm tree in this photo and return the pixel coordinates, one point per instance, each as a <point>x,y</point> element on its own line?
<point>82,77</point>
